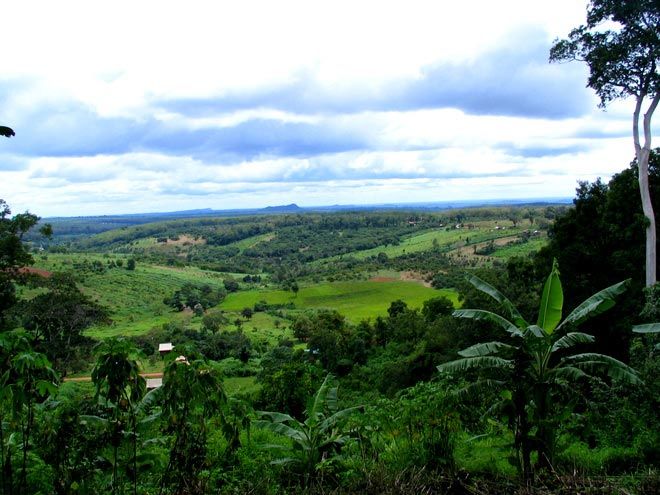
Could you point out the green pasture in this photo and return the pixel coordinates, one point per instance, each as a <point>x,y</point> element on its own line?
<point>357,300</point>
<point>134,298</point>
<point>520,249</point>
<point>445,239</point>
<point>250,242</point>
<point>262,327</point>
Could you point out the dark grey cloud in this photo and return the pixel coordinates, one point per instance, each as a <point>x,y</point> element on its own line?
<point>513,80</point>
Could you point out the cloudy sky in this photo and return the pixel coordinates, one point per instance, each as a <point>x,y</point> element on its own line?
<point>144,106</point>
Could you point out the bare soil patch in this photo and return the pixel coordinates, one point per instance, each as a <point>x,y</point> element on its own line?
<point>36,271</point>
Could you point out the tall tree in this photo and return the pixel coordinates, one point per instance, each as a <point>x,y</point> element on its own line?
<point>14,254</point>
<point>621,44</point>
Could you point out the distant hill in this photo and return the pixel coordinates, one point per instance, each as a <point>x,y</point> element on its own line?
<point>292,208</point>
<point>72,228</point>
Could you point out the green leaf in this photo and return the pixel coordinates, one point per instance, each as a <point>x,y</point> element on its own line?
<point>480,314</point>
<point>485,349</point>
<point>481,362</point>
<point>276,417</point>
<point>571,339</point>
<point>596,304</point>
<point>486,288</point>
<point>647,328</point>
<point>282,429</point>
<point>319,401</point>
<point>536,331</point>
<point>570,373</point>
<point>333,420</point>
<point>593,362</point>
<point>552,301</point>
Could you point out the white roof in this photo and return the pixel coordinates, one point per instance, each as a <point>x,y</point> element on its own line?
<point>165,347</point>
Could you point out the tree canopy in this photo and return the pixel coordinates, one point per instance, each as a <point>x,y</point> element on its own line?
<point>621,45</point>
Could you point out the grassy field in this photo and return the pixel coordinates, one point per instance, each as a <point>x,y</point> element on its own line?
<point>135,298</point>
<point>250,242</point>
<point>444,239</point>
<point>520,249</point>
<point>357,300</point>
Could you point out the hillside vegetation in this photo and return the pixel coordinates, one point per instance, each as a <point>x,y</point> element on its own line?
<point>269,314</point>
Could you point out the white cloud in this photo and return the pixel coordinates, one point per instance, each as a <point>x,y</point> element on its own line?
<point>87,84</point>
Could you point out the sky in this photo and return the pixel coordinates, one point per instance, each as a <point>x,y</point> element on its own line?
<point>151,106</point>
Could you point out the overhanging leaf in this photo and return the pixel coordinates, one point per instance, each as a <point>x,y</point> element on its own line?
<point>485,349</point>
<point>571,339</point>
<point>480,314</point>
<point>647,328</point>
<point>486,288</point>
<point>482,362</point>
<point>596,304</point>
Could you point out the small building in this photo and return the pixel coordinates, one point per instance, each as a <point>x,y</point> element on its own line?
<point>165,347</point>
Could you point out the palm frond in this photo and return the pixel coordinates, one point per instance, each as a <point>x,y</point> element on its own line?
<point>319,402</point>
<point>485,349</point>
<point>486,288</point>
<point>479,362</point>
<point>571,339</point>
<point>647,328</point>
<point>596,304</point>
<point>594,362</point>
<point>284,430</point>
<point>483,315</point>
<point>568,373</point>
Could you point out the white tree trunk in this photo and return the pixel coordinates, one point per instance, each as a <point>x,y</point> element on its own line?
<point>642,154</point>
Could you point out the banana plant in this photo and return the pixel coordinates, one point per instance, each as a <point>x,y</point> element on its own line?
<point>117,380</point>
<point>535,368</point>
<point>319,438</point>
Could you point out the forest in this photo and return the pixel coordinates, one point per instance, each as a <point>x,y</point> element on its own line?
<point>483,350</point>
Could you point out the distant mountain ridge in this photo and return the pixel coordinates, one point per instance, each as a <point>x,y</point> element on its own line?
<point>294,208</point>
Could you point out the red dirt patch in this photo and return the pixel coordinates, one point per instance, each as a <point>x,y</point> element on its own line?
<point>35,271</point>
<point>382,279</point>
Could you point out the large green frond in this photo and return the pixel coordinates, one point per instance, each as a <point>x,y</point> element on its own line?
<point>276,417</point>
<point>485,349</point>
<point>647,328</point>
<point>283,429</point>
<point>566,373</point>
<point>552,301</point>
<point>483,315</point>
<point>486,288</point>
<point>319,402</point>
<point>596,304</point>
<point>339,416</point>
<point>600,363</point>
<point>534,331</point>
<point>571,339</point>
<point>481,362</point>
